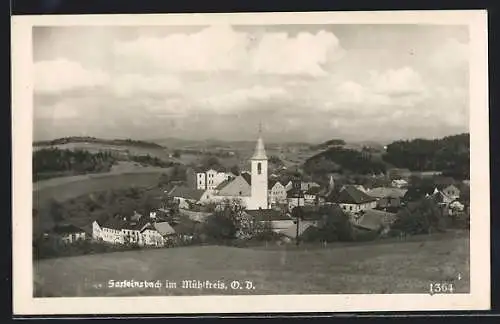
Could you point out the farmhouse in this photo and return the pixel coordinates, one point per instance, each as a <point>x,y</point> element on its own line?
<point>277,220</point>
<point>374,220</point>
<point>387,197</point>
<point>138,230</point>
<point>68,233</point>
<point>185,196</point>
<point>351,199</point>
<point>449,190</point>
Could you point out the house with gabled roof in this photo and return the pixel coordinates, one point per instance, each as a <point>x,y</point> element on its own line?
<point>353,200</point>
<point>277,220</point>
<point>374,220</point>
<point>185,196</point>
<point>277,192</point>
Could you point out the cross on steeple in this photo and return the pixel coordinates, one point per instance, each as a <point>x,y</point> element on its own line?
<point>260,127</point>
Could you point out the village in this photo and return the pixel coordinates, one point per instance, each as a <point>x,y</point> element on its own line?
<point>287,206</point>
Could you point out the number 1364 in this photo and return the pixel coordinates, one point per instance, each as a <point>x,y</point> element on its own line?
<point>441,288</point>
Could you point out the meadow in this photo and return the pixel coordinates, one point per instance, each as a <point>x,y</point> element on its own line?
<point>390,267</point>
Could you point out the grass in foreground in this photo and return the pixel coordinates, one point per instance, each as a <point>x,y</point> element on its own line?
<point>407,267</point>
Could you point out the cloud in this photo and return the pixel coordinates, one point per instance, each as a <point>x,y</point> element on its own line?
<point>221,48</point>
<point>277,53</point>
<point>397,82</point>
<point>247,98</point>
<point>62,75</point>
<point>132,84</point>
<point>380,93</point>
<point>452,54</point>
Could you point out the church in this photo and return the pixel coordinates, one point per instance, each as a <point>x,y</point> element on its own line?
<point>250,188</point>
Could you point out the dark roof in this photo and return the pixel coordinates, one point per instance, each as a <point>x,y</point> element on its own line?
<point>271,183</point>
<point>67,229</point>
<point>223,184</point>
<point>352,195</point>
<point>267,215</point>
<point>442,186</point>
<point>186,193</point>
<point>313,190</point>
<point>294,193</point>
<point>416,193</point>
<point>247,177</point>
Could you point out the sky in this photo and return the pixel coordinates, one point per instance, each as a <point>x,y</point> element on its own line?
<point>306,83</point>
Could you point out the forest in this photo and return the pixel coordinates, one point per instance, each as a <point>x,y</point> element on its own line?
<point>449,155</point>
<point>53,162</point>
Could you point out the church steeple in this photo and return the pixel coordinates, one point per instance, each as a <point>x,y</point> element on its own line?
<point>259,186</point>
<point>260,152</point>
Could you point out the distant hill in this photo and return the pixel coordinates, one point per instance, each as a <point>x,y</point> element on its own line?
<point>88,139</point>
<point>449,154</point>
<point>340,159</point>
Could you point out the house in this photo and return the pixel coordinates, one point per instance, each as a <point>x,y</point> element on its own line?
<point>399,183</point>
<point>277,192</point>
<point>374,220</point>
<point>69,233</point>
<point>202,179</point>
<point>449,190</point>
<point>295,197</point>
<point>185,196</point>
<point>311,196</point>
<point>417,193</point>
<point>351,199</point>
<point>387,197</point>
<point>277,220</point>
<point>150,236</point>
<point>137,230</point>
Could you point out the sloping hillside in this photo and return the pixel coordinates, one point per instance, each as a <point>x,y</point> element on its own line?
<point>399,267</point>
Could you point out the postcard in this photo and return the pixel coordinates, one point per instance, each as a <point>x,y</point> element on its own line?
<point>250,163</point>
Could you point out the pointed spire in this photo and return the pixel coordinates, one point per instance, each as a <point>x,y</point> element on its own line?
<point>260,152</point>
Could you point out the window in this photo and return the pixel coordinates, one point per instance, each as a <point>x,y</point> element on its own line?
<point>259,168</point>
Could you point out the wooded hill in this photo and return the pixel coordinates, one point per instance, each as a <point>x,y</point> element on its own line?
<point>449,155</point>
<point>88,139</point>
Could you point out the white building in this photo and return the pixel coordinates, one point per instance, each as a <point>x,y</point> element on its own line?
<point>259,188</point>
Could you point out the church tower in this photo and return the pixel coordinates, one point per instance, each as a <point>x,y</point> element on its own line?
<point>259,188</point>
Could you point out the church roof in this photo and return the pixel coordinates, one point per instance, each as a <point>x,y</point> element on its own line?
<point>260,152</point>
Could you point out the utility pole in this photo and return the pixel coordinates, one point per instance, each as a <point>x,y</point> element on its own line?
<point>297,231</point>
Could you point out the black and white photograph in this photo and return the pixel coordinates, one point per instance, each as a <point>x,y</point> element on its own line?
<point>253,158</point>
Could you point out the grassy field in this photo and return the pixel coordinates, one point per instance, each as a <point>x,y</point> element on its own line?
<point>402,267</point>
<point>62,189</point>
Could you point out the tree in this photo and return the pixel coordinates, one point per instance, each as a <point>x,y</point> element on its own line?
<point>419,218</point>
<point>210,162</point>
<point>55,210</point>
<point>164,180</point>
<point>235,169</point>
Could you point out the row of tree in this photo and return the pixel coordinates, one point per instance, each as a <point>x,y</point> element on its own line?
<point>152,161</point>
<point>52,161</point>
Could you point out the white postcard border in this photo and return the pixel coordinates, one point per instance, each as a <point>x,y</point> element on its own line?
<point>22,127</point>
